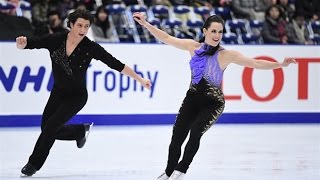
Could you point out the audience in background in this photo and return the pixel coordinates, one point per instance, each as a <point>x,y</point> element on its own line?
<point>301,33</point>
<point>89,4</point>
<point>55,24</point>
<point>64,7</point>
<point>39,12</point>
<point>12,26</point>
<point>275,29</point>
<point>103,31</point>
<point>18,11</point>
<point>162,2</point>
<point>48,16</point>
<point>210,3</point>
<point>287,10</point>
<point>310,8</point>
<point>250,9</point>
<point>179,2</point>
<point>80,5</point>
<point>109,2</point>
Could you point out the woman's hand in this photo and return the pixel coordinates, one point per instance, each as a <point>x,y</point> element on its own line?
<point>146,83</point>
<point>288,61</point>
<point>21,42</point>
<point>139,17</point>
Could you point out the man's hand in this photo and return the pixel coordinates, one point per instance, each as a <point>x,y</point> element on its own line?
<point>21,42</point>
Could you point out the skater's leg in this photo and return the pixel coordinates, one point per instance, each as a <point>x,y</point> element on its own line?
<point>185,118</point>
<point>205,119</point>
<point>66,132</point>
<point>69,107</point>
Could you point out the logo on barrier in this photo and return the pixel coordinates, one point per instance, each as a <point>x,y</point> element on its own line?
<point>303,66</point>
<point>112,81</point>
<point>107,80</point>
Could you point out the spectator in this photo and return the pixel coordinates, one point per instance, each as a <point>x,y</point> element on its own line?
<point>288,11</point>
<point>161,2</point>
<point>55,22</point>
<point>274,2</point>
<point>224,2</point>
<point>275,29</point>
<point>301,32</point>
<point>116,17</point>
<point>109,2</point>
<point>250,9</point>
<point>217,3</point>
<point>64,7</point>
<point>39,12</point>
<point>55,25</point>
<point>80,5</point>
<point>17,11</point>
<point>102,28</point>
<point>89,4</point>
<point>33,2</point>
<point>310,8</point>
<point>208,3</point>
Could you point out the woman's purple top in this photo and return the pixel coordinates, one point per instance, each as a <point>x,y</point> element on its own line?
<point>204,65</point>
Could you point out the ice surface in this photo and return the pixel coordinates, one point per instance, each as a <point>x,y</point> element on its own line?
<point>227,152</point>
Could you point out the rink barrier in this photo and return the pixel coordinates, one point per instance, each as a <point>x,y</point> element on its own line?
<point>285,95</point>
<point>165,119</point>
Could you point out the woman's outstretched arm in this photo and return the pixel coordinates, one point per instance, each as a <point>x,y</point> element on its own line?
<point>184,44</point>
<point>235,57</point>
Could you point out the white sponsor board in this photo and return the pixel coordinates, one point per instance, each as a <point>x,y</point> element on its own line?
<point>292,89</point>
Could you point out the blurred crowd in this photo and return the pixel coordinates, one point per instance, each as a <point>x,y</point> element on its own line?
<point>247,21</point>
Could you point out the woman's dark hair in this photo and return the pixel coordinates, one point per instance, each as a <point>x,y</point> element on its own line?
<point>99,9</point>
<point>207,23</point>
<point>281,13</point>
<point>103,24</point>
<point>79,13</point>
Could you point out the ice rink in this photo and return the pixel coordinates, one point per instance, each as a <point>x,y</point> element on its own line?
<point>227,152</point>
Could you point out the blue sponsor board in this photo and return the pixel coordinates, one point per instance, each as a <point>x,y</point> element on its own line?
<point>113,81</point>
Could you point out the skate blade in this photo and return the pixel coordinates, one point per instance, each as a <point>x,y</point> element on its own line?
<point>90,128</point>
<point>24,176</point>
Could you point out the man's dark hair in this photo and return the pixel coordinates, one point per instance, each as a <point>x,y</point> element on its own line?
<point>84,14</point>
<point>54,12</point>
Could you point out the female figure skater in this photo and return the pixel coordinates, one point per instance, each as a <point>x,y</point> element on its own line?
<point>204,101</point>
<point>71,54</point>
